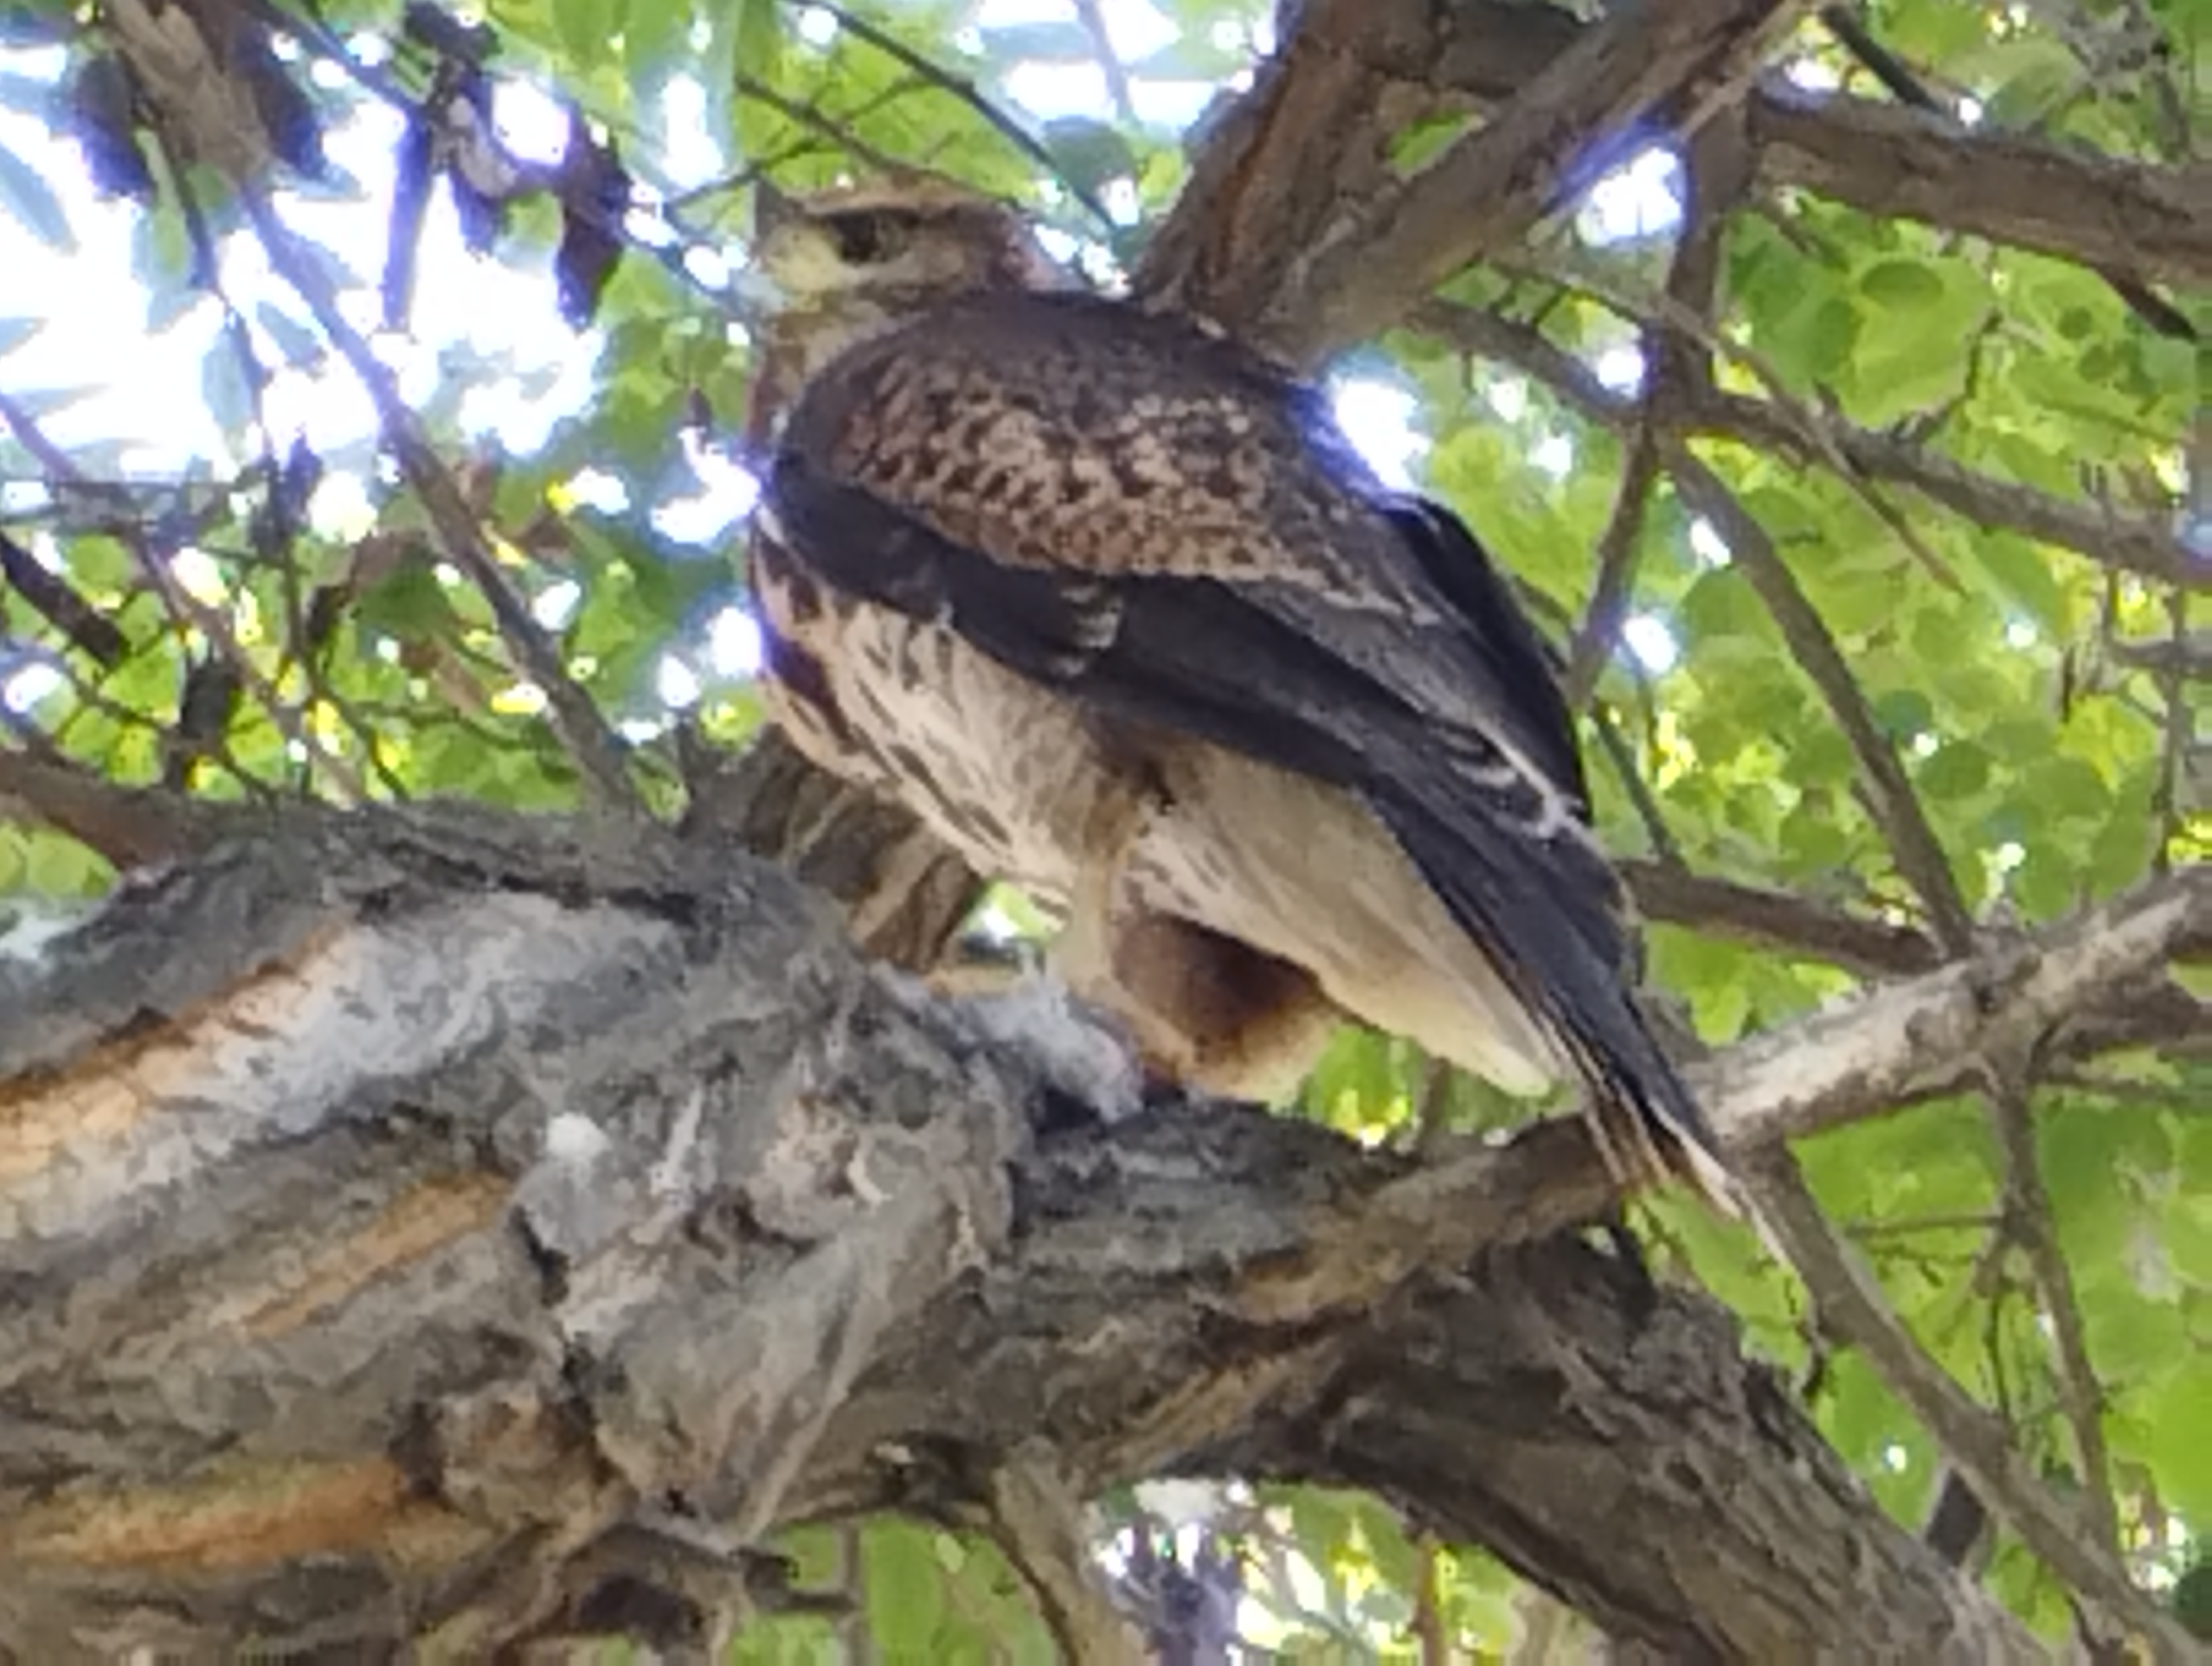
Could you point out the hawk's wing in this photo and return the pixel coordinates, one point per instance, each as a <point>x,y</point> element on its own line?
<point>1155,523</point>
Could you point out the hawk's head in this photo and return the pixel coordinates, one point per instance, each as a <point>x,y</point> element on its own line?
<point>894,247</point>
<point>845,263</point>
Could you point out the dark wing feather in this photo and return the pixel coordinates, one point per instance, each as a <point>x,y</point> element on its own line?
<point>1376,648</point>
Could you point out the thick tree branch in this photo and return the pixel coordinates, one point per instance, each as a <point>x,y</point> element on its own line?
<point>1909,164</point>
<point>1859,1059</point>
<point>1920,1035</point>
<point>1643,72</point>
<point>1272,181</point>
<point>548,1172</point>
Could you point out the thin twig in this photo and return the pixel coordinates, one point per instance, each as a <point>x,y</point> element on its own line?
<point>589,739</point>
<point>1616,570</point>
<point>1692,382</point>
<point>2169,798</point>
<point>2186,655</point>
<point>1907,86</point>
<point>818,121</point>
<point>185,609</point>
<point>1092,16</point>
<point>1854,1309</point>
<point>1778,922</point>
<point>2149,548</point>
<point>1896,807</point>
<point>1429,1632</point>
<point>1623,758</point>
<point>963,90</point>
<point>2032,1223</point>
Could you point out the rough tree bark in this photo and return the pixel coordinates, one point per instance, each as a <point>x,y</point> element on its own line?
<point>413,1224</point>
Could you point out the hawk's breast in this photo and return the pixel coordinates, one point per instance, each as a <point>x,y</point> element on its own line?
<point>1010,774</point>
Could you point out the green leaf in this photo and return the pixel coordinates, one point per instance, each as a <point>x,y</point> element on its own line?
<point>1090,153</point>
<point>755,43</point>
<point>1902,714</point>
<point>162,258</point>
<point>1722,608</point>
<point>61,867</point>
<point>655,37</point>
<point>2023,572</point>
<point>1960,770</point>
<point>31,203</point>
<point>411,604</point>
<point>2064,788</point>
<point>1901,285</point>
<point>905,1586</point>
<point>2133,1340</point>
<point>1355,1082</point>
<point>586,28</point>
<point>1819,345</point>
<point>1396,1557</point>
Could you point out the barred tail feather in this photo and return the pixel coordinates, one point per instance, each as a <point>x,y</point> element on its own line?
<point>1542,909</point>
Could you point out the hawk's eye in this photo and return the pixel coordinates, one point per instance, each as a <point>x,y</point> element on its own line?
<point>864,239</point>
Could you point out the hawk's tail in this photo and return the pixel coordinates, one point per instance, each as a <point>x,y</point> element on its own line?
<point>1542,907</point>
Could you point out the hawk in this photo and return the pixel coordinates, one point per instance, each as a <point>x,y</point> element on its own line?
<point>1110,602</point>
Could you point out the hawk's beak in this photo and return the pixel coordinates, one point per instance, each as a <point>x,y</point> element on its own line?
<point>775,215</point>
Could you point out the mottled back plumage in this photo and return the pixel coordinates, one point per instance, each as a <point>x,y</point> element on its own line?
<point>1273,703</point>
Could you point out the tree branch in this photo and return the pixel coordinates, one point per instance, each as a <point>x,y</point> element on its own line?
<point>1896,807</point>
<point>906,895</point>
<point>466,1186</point>
<point>1642,73</point>
<point>2030,1221</point>
<point>1909,1038</point>
<point>2188,656</point>
<point>1808,435</point>
<point>1037,1520</point>
<point>2102,212</point>
<point>132,827</point>
<point>1852,1303</point>
<point>1777,920</point>
<point>2071,203</point>
<point>590,741</point>
<point>1599,633</point>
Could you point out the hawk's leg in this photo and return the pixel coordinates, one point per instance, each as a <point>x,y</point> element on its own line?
<point>1205,1009</point>
<point>1082,955</point>
<point>1216,1014</point>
